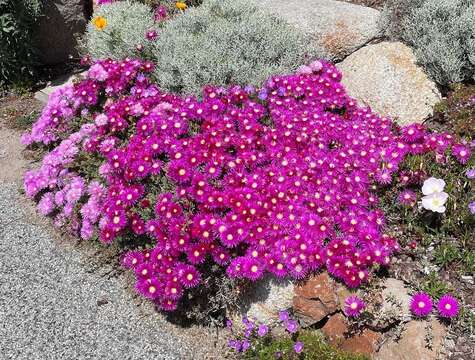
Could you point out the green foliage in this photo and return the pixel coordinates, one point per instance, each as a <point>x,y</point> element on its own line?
<point>315,348</point>
<point>17,55</point>
<point>455,225</point>
<point>445,254</point>
<point>25,122</point>
<point>434,286</point>
<point>441,33</point>
<point>127,25</point>
<point>457,111</point>
<point>223,42</point>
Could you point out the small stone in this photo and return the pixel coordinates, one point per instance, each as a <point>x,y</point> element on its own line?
<point>468,278</point>
<point>43,94</point>
<point>101,302</point>
<point>413,342</point>
<point>385,77</point>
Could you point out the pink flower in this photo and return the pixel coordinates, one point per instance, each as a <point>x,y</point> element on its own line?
<point>421,304</point>
<point>354,306</point>
<point>407,197</point>
<point>151,35</point>
<point>462,153</point>
<point>448,306</point>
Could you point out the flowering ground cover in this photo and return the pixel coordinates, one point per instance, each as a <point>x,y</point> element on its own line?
<point>280,179</point>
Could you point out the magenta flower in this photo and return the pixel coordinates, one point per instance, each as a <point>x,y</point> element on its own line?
<point>151,35</point>
<point>462,153</point>
<point>421,304</point>
<point>354,306</point>
<point>448,306</point>
<point>407,197</point>
<point>160,13</point>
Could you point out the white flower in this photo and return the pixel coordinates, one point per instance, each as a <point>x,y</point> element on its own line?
<point>435,202</point>
<point>433,186</point>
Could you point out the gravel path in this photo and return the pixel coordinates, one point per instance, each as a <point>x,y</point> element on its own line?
<point>51,303</point>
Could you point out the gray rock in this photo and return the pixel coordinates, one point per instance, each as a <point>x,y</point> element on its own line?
<point>43,94</point>
<point>420,340</point>
<point>385,77</point>
<point>64,21</point>
<point>395,295</point>
<point>266,299</point>
<point>339,28</point>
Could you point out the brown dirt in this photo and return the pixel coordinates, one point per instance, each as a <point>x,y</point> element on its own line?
<point>13,162</point>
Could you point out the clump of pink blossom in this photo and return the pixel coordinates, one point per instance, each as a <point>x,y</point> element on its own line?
<point>278,180</point>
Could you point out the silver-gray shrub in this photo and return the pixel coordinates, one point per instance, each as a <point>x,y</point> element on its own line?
<point>226,42</point>
<point>127,25</point>
<point>441,32</point>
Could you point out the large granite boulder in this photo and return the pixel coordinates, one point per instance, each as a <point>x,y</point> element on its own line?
<point>385,77</point>
<point>339,28</point>
<point>64,21</point>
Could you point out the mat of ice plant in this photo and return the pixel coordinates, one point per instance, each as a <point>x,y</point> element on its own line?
<point>279,180</point>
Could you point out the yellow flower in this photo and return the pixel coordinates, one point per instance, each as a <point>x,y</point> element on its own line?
<point>99,22</point>
<point>181,5</point>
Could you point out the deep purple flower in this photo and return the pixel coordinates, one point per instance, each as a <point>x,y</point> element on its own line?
<point>298,347</point>
<point>292,326</point>
<point>471,207</point>
<point>245,345</point>
<point>160,13</point>
<point>448,306</point>
<point>236,345</point>
<point>421,304</point>
<point>470,173</point>
<point>262,94</point>
<point>283,315</point>
<point>250,89</point>
<point>262,330</point>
